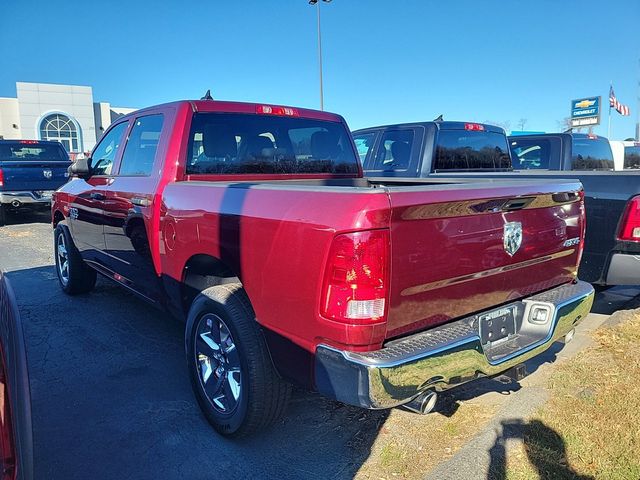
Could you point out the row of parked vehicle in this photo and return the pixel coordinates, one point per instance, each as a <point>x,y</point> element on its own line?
<point>379,267</point>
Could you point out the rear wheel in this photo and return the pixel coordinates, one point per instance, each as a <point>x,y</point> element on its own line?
<point>231,371</point>
<point>74,275</point>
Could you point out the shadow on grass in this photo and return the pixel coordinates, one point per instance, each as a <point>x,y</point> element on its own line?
<point>544,447</point>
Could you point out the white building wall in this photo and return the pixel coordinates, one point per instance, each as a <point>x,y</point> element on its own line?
<point>9,119</point>
<point>37,100</point>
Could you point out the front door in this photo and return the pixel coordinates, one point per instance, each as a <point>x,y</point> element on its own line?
<point>86,208</point>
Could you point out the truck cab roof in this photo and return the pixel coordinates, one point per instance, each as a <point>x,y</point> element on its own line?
<point>241,107</point>
<point>440,125</point>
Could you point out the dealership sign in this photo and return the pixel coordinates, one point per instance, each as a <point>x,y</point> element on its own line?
<point>585,112</point>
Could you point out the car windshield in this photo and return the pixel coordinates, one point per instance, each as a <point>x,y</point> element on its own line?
<point>31,151</point>
<point>246,144</point>
<point>591,153</point>
<point>632,157</point>
<point>471,150</point>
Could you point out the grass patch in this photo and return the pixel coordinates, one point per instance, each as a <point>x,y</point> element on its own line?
<point>410,445</point>
<point>590,428</point>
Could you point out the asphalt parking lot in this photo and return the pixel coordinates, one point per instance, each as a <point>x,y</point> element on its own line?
<point>111,397</point>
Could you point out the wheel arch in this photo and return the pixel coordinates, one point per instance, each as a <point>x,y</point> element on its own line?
<point>58,217</point>
<point>200,272</point>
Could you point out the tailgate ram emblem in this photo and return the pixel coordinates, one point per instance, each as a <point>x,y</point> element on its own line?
<point>512,237</point>
<point>47,173</point>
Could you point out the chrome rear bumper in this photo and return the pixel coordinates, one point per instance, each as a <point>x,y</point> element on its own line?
<point>448,355</point>
<point>17,199</point>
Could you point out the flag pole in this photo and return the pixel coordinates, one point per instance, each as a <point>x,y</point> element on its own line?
<point>609,126</point>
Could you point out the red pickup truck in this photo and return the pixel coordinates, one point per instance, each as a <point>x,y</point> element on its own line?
<point>255,225</point>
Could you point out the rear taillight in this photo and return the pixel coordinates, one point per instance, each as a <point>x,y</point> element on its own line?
<point>630,226</point>
<point>356,279</point>
<point>474,127</point>
<point>1,178</point>
<point>7,445</point>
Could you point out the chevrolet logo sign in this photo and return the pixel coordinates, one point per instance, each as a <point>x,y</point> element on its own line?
<point>585,103</point>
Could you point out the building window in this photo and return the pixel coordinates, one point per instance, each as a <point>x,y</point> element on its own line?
<point>60,128</point>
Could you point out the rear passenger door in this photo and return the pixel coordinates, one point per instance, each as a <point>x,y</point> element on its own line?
<point>396,153</point>
<point>129,209</point>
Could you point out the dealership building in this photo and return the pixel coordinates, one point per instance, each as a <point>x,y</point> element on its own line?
<point>65,113</point>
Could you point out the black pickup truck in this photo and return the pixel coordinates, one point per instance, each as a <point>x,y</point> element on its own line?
<point>441,148</point>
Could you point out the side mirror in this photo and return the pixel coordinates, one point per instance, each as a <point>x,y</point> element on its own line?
<point>80,168</point>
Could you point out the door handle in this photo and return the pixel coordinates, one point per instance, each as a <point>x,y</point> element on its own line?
<point>140,202</point>
<point>96,196</point>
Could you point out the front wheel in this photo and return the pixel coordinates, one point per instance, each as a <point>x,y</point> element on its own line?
<point>74,275</point>
<point>231,371</point>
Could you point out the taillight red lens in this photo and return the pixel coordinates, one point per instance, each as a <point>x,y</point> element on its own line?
<point>475,127</point>
<point>630,227</point>
<point>356,278</point>
<point>1,178</point>
<point>7,446</point>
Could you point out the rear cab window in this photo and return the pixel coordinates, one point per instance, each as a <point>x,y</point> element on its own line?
<point>394,150</point>
<point>632,157</point>
<point>235,143</point>
<point>535,153</point>
<point>31,150</point>
<point>461,149</point>
<point>591,153</point>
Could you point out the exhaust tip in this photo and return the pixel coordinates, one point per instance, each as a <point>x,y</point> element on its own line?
<point>569,336</point>
<point>423,404</point>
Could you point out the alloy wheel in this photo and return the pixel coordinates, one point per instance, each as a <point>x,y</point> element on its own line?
<point>218,363</point>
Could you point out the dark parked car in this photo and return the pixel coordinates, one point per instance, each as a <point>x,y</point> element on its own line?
<point>30,171</point>
<point>432,150</point>
<point>16,438</point>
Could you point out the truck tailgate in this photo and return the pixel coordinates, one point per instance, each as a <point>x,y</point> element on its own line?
<point>455,249</point>
<point>34,175</point>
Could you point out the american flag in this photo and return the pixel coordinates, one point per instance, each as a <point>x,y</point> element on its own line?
<point>613,102</point>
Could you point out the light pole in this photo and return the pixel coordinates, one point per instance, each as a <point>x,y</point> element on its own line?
<point>317,4</point>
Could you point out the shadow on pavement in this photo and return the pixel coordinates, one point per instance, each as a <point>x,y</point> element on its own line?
<point>112,399</point>
<point>450,401</point>
<point>544,447</point>
<point>26,216</point>
<point>611,299</point>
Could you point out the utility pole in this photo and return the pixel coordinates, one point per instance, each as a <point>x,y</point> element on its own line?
<point>638,107</point>
<point>317,4</point>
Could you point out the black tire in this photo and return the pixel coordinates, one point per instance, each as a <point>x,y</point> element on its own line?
<point>3,215</point>
<point>263,395</point>
<point>80,277</point>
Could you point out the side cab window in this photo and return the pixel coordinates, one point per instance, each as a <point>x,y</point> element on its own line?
<point>364,145</point>
<point>104,154</point>
<point>142,145</point>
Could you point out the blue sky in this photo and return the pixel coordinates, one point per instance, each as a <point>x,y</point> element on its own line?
<point>385,61</point>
